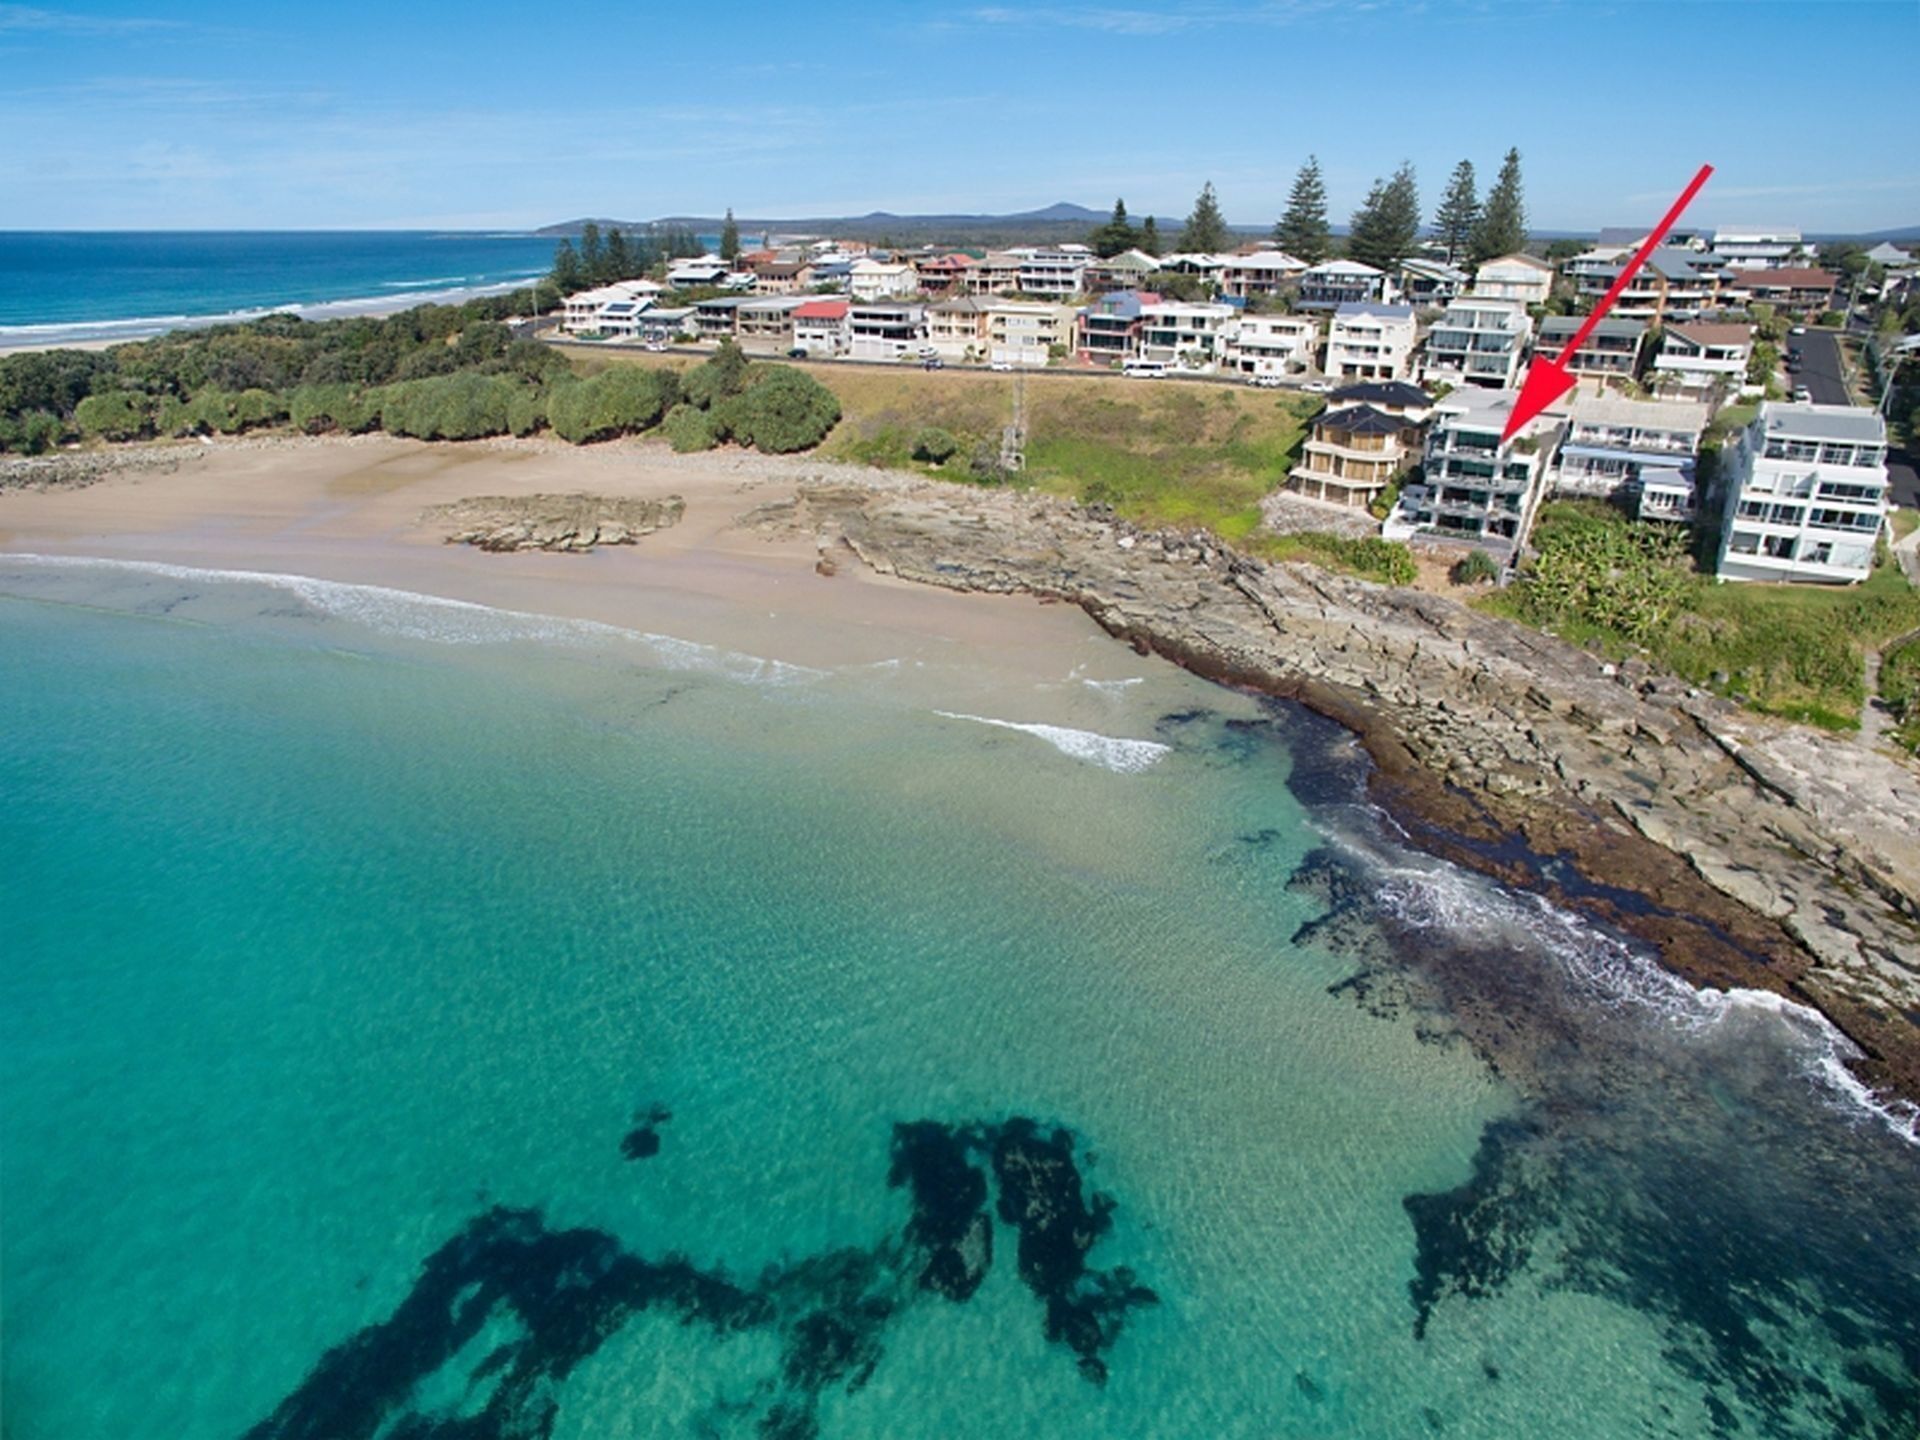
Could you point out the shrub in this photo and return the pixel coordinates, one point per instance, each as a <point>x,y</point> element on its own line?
<point>1476,567</point>
<point>718,378</point>
<point>174,417</point>
<point>782,411</point>
<point>113,415</point>
<point>448,407</point>
<point>689,429</point>
<point>258,407</point>
<point>934,445</point>
<point>318,409</point>
<point>33,433</point>
<point>620,401</point>
<point>213,412</point>
<point>526,410</point>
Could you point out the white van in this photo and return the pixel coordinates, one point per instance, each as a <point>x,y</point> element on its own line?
<point>1143,369</point>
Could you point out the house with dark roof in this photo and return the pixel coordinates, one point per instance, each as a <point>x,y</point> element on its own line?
<point>1431,282</point>
<point>1396,397</point>
<point>1675,283</point>
<point>1796,287</point>
<point>1610,352</point>
<point>1352,454</point>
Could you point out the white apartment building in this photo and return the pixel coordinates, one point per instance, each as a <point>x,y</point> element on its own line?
<point>1806,495</point>
<point>1269,344</point>
<point>1183,332</point>
<point>883,331</point>
<point>1022,333</point>
<point>1333,283</point>
<point>1700,355</point>
<point>820,327</point>
<point>1265,272</point>
<point>1756,248</point>
<point>1515,277</point>
<point>1477,342</point>
<point>1369,340</point>
<point>1638,451</point>
<point>1473,487</point>
<point>700,270</point>
<point>587,311</point>
<point>881,279</point>
<point>1059,270</point>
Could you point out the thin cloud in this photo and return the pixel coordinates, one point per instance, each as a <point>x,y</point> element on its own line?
<point>27,20</point>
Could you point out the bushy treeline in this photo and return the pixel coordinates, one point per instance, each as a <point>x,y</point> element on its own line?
<point>436,372</point>
<point>599,260</point>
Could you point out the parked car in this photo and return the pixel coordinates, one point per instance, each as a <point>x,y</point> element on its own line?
<point>1798,330</point>
<point>799,352</point>
<point>1802,395</point>
<point>1142,369</point>
<point>1267,382</point>
<point>1318,387</point>
<point>933,362</point>
<point>1000,365</point>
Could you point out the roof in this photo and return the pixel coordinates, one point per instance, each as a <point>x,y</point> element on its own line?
<point>1349,268</point>
<point>1436,269</point>
<point>1383,392</point>
<point>1846,423</point>
<point>1624,237</point>
<point>773,303</point>
<point>1607,408</point>
<point>1678,264</point>
<point>1531,261</point>
<point>960,305</point>
<point>1794,277</point>
<point>1266,260</point>
<point>1480,409</point>
<point>1563,327</point>
<point>822,310</point>
<point>1887,253</point>
<point>1709,334</point>
<point>1361,420</point>
<point>1379,310</point>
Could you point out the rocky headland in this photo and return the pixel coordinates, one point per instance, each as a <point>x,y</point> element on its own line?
<point>1749,852</point>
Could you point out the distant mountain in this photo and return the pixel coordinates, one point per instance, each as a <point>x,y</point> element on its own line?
<point>1904,234</point>
<point>1049,223</point>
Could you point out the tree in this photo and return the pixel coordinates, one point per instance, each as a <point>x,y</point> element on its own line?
<point>593,257</point>
<point>1459,212</point>
<point>729,239</point>
<point>112,415</point>
<point>782,411</point>
<point>620,264</point>
<point>1503,220</point>
<point>1302,232</point>
<point>1150,236</point>
<point>1206,230</point>
<point>1116,235</point>
<point>1386,228</point>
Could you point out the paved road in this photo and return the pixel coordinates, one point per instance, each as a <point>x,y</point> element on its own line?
<point>1820,367</point>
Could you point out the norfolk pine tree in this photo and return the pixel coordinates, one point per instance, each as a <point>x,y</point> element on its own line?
<point>1386,228</point>
<point>729,239</point>
<point>1459,212</point>
<point>1206,231</point>
<point>1150,236</point>
<point>1302,232</point>
<point>1503,222</point>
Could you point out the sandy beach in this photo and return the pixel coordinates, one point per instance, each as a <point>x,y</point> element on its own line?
<point>352,511</point>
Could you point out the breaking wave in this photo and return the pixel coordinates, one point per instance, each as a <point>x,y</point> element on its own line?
<point>443,621</point>
<point>1425,892</point>
<point>1124,757</point>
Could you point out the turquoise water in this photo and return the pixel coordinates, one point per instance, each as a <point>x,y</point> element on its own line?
<point>59,287</point>
<point>421,1021</point>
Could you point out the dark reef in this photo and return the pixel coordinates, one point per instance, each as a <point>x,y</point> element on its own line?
<point>557,1295</point>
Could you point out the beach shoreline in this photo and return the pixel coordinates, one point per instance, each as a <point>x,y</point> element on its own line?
<point>1663,815</point>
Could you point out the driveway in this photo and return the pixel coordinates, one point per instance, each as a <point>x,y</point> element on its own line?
<point>1820,367</point>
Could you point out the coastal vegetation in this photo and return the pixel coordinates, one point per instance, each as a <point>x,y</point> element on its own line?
<point>1626,588</point>
<point>436,372</point>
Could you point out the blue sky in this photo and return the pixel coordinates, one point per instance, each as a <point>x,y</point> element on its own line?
<point>438,114</point>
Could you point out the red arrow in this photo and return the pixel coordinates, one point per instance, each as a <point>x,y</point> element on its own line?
<point>1548,380</point>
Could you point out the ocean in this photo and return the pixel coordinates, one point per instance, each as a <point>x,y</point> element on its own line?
<point>419,1019</point>
<point>66,287</point>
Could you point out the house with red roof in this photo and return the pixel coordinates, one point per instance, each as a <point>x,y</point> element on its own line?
<point>820,327</point>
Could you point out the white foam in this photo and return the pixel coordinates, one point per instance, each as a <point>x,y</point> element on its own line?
<point>1114,688</point>
<point>1124,757</point>
<point>1424,891</point>
<point>444,621</point>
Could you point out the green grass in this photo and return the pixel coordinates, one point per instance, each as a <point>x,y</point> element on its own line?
<point>1905,522</point>
<point>1797,651</point>
<point>1900,689</point>
<point>1386,562</point>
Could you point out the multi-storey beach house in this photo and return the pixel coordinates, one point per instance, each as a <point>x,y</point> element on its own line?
<point>1108,331</point>
<point>1610,352</point>
<point>1514,277</point>
<point>1021,332</point>
<point>1751,248</point>
<point>1639,452</point>
<point>768,321</point>
<point>1333,283</point>
<point>1430,283</point>
<point>820,327</point>
<point>995,273</point>
<point>1473,487</point>
<point>1702,355</point>
<point>1129,270</point>
<point>957,326</point>
<point>1269,344</point>
<point>1477,342</point>
<point>1183,332</point>
<point>1806,495</point>
<point>1675,284</point>
<point>1053,270</point>
<point>1353,453</point>
<point>881,279</point>
<point>1369,340</point>
<point>1263,273</point>
<point>884,330</point>
<point>1795,287</point>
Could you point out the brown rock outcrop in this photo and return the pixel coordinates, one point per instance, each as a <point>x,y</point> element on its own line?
<point>552,522</point>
